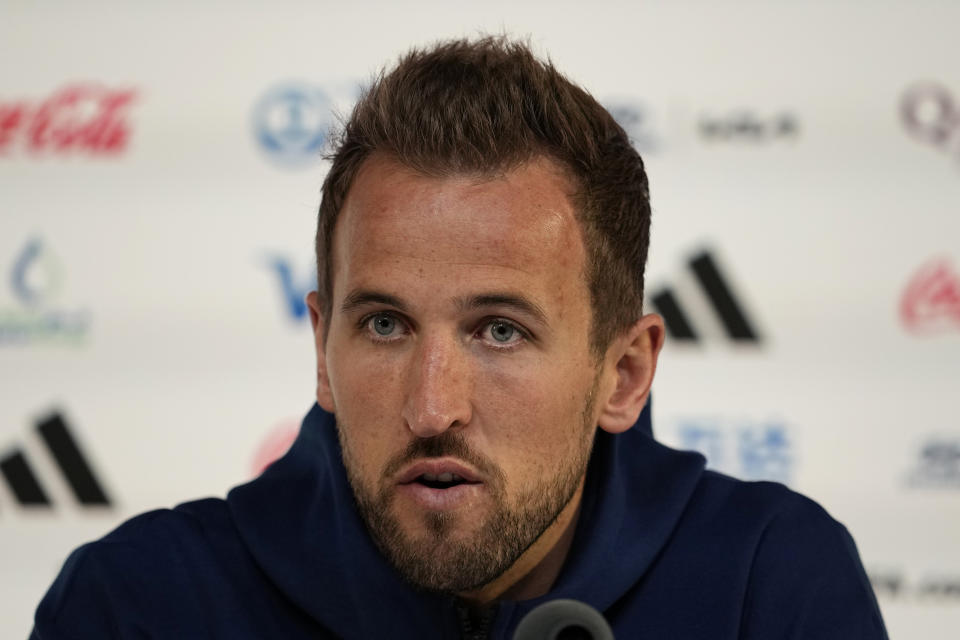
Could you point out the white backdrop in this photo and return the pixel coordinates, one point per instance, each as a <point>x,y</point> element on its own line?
<point>156,239</point>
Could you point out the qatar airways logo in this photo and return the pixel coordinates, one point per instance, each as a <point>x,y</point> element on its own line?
<point>79,118</point>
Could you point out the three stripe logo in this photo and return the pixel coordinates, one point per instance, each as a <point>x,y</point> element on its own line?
<point>710,281</point>
<point>65,452</point>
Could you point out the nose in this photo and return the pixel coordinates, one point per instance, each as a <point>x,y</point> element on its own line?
<point>438,387</point>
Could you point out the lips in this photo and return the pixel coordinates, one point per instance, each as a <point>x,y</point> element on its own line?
<point>442,470</point>
<point>440,484</point>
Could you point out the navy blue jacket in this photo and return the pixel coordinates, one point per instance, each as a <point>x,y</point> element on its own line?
<point>664,549</point>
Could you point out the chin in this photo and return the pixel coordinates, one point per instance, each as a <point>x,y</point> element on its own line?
<point>439,527</point>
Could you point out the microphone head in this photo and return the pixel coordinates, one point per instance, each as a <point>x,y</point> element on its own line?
<point>563,620</point>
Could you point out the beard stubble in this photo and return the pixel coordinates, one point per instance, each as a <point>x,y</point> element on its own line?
<point>434,560</point>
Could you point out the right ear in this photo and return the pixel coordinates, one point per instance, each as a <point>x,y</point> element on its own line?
<point>324,394</point>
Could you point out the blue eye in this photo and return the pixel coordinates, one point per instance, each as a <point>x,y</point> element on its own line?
<point>502,332</point>
<point>383,325</point>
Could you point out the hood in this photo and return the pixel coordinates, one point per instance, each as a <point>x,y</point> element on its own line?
<point>299,522</point>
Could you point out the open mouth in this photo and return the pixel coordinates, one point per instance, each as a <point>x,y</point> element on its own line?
<point>440,481</point>
<point>429,479</point>
<point>443,484</point>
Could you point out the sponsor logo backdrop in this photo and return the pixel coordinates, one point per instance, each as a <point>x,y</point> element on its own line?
<point>159,176</point>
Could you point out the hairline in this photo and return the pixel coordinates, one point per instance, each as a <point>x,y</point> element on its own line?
<point>575,196</point>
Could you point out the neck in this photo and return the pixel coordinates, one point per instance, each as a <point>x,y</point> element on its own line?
<point>535,571</point>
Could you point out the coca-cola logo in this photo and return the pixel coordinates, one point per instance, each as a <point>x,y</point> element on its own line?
<point>932,115</point>
<point>931,301</point>
<point>82,117</point>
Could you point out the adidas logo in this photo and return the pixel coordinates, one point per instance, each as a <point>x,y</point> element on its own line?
<point>25,485</point>
<point>705,290</point>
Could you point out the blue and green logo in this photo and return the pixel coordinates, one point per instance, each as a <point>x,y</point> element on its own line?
<point>36,279</point>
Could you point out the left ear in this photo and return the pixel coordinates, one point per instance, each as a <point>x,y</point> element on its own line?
<point>633,359</point>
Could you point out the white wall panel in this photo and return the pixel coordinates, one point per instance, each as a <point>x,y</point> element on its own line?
<point>775,141</point>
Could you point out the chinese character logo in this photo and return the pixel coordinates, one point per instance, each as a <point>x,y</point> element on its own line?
<point>750,450</point>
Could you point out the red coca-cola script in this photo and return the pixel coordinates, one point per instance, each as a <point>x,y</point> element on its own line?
<point>82,117</point>
<point>931,301</point>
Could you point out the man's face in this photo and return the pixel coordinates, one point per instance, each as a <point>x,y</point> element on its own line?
<point>458,364</point>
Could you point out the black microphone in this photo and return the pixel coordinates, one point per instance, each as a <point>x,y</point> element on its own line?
<point>563,620</point>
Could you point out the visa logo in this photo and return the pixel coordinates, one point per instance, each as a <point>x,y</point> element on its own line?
<point>294,286</point>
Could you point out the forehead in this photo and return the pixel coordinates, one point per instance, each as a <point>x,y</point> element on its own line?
<point>518,228</point>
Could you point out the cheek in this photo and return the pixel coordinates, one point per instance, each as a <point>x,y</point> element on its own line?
<point>362,379</point>
<point>531,415</point>
<point>366,393</point>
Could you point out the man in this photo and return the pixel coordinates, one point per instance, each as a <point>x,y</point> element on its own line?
<point>482,442</point>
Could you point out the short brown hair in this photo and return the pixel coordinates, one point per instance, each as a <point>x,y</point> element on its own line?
<point>485,106</point>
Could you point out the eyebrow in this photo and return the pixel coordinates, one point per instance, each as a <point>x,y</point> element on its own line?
<point>513,301</point>
<point>365,297</point>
